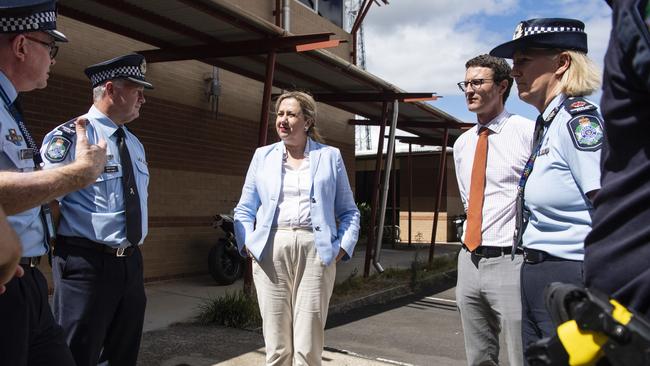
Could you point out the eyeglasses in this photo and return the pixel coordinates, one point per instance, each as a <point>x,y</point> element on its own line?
<point>51,46</point>
<point>474,83</point>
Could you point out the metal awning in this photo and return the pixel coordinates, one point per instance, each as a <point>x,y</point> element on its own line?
<point>207,29</point>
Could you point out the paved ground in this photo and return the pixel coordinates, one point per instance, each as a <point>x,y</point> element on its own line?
<point>196,345</point>
<point>414,330</point>
<point>170,302</point>
<point>401,332</point>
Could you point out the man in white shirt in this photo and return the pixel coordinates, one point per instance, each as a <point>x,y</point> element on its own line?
<point>489,160</point>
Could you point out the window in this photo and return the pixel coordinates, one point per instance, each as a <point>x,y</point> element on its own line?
<point>330,9</point>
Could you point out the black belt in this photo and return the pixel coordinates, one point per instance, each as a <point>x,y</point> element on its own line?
<point>533,256</point>
<point>492,251</point>
<point>89,244</point>
<point>30,261</point>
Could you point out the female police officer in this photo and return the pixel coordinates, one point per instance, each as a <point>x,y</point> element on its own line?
<point>553,73</point>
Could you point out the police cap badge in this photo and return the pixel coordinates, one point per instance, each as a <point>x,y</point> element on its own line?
<point>131,67</point>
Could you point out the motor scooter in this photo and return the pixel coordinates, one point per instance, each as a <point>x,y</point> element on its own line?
<point>225,263</point>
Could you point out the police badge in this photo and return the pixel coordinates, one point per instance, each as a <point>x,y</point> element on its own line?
<point>57,149</point>
<point>586,132</point>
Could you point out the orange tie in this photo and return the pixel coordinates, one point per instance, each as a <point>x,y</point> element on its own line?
<point>476,190</point>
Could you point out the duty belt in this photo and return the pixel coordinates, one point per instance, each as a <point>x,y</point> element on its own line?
<point>30,261</point>
<point>533,256</point>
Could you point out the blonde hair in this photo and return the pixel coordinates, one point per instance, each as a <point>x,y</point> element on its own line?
<point>581,78</point>
<point>308,109</point>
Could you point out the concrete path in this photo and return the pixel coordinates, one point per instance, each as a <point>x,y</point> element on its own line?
<point>170,302</point>
<point>184,344</point>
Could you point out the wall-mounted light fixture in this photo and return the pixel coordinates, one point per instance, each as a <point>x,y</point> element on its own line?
<point>213,90</point>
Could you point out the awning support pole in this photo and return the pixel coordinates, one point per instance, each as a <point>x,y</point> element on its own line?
<point>261,141</point>
<point>410,173</point>
<point>384,192</point>
<point>441,181</point>
<point>375,190</point>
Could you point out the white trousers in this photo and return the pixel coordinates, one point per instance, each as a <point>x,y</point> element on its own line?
<point>293,290</point>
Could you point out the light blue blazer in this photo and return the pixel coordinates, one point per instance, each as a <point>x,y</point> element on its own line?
<point>331,201</point>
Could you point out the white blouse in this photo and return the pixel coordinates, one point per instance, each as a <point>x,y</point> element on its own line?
<point>293,204</point>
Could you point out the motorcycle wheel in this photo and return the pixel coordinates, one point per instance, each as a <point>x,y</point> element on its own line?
<point>225,267</point>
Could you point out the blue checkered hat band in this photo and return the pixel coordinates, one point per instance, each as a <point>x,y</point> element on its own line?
<point>118,72</point>
<point>33,22</point>
<point>538,30</point>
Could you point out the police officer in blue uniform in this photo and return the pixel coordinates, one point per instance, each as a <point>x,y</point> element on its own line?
<point>618,248</point>
<point>99,297</point>
<point>28,333</point>
<point>553,73</point>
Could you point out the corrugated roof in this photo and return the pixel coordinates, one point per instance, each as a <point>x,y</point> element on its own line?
<point>168,24</point>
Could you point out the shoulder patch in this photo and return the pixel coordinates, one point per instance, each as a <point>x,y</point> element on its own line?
<point>586,132</point>
<point>578,105</point>
<point>58,149</point>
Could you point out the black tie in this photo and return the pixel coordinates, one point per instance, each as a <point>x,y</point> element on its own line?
<point>539,131</point>
<point>131,197</point>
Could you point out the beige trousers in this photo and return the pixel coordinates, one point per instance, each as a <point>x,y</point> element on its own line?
<point>293,289</point>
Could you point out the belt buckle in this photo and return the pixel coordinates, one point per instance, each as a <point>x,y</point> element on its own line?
<point>478,252</point>
<point>120,252</point>
<point>34,261</point>
<point>531,257</point>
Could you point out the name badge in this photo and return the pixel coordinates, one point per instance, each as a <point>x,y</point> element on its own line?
<point>26,154</point>
<point>111,169</point>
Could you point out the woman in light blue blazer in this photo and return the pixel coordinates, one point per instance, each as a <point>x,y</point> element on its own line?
<point>296,217</point>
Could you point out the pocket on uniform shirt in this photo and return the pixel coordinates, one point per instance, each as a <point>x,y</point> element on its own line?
<point>142,176</point>
<point>110,172</point>
<point>13,153</point>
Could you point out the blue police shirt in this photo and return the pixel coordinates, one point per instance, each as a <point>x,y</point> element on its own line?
<point>27,224</point>
<point>97,211</point>
<point>560,212</point>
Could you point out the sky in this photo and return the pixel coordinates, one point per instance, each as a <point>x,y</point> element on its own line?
<point>422,45</point>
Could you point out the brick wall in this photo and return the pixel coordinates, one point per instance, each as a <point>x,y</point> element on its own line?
<point>197,160</point>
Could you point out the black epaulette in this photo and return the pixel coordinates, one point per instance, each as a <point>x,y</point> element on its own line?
<point>60,145</point>
<point>68,129</point>
<point>586,124</point>
<point>576,105</point>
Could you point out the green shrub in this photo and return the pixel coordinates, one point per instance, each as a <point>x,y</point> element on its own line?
<point>235,310</point>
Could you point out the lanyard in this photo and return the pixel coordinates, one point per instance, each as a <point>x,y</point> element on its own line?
<point>540,126</point>
<point>522,214</point>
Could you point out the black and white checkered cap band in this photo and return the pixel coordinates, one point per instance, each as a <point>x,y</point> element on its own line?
<point>528,31</point>
<point>31,23</point>
<point>122,71</point>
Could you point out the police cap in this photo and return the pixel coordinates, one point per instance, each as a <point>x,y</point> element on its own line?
<point>20,16</point>
<point>131,67</point>
<point>564,34</point>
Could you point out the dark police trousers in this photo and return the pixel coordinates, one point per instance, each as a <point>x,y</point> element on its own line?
<point>99,301</point>
<point>28,333</point>
<point>536,322</point>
